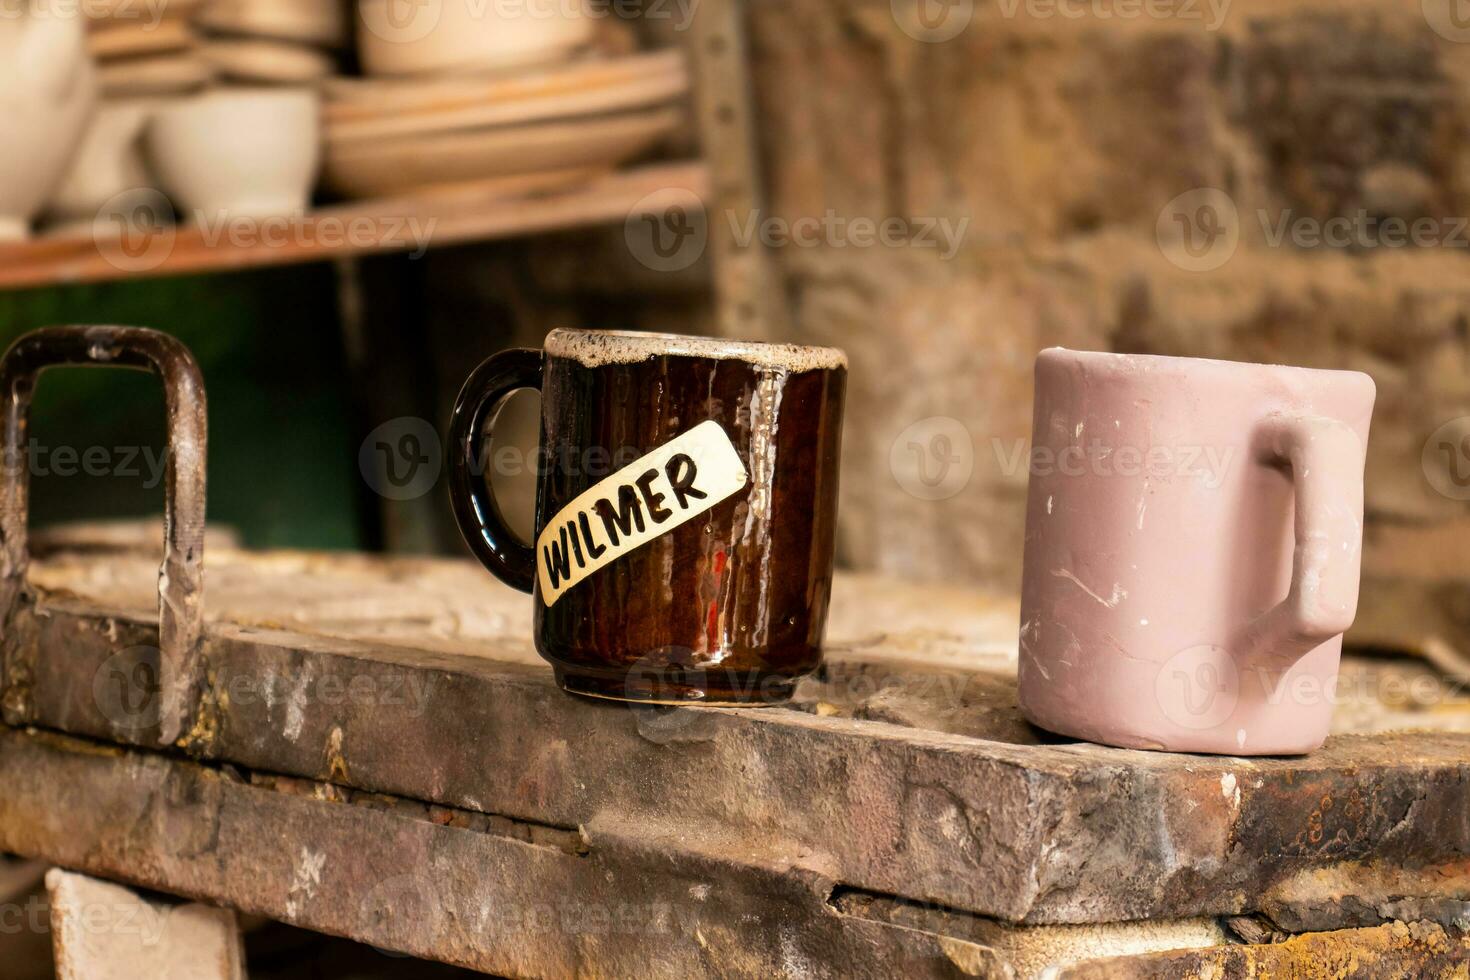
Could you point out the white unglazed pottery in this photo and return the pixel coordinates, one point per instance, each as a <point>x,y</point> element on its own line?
<point>139,38</point>
<point>376,99</point>
<point>48,88</point>
<point>267,62</point>
<point>437,161</point>
<point>110,161</point>
<point>411,108</point>
<point>320,22</point>
<point>238,153</point>
<point>160,75</point>
<point>397,38</point>
<point>1194,535</point>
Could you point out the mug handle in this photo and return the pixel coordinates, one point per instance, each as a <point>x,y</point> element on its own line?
<point>1326,460</point>
<point>480,521</point>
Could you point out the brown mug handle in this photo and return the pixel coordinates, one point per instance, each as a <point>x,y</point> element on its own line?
<point>481,522</point>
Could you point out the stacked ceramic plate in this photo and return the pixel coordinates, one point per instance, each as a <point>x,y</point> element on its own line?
<point>204,100</point>
<point>273,42</point>
<point>464,94</point>
<point>529,131</point>
<point>146,49</point>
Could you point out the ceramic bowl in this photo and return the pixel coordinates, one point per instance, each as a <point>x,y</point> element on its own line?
<point>109,162</point>
<point>47,92</point>
<point>416,37</point>
<point>240,153</point>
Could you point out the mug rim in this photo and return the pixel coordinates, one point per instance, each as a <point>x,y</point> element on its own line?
<point>586,346</point>
<point>1113,360</point>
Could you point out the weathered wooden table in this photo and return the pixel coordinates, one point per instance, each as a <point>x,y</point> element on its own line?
<point>378,753</point>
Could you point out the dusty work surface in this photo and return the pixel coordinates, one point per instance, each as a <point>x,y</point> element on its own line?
<point>902,775</point>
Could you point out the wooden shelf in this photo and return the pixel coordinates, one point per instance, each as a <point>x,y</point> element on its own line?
<point>359,228</point>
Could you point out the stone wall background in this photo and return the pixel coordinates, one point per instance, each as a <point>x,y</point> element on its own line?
<point>1064,140</point>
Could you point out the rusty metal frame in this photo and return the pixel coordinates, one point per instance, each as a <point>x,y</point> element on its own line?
<point>181,576</point>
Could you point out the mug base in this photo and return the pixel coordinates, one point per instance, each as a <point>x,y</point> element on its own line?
<point>1240,743</point>
<point>697,689</point>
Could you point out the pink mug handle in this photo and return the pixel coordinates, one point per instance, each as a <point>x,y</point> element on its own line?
<point>1326,460</point>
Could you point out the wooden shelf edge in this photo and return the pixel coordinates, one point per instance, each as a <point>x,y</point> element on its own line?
<point>410,224</point>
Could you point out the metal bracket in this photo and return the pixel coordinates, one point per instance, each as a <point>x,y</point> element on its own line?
<point>181,576</point>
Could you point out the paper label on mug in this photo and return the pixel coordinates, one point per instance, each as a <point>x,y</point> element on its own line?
<point>675,483</point>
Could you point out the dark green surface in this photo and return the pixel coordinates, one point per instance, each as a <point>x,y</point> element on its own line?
<point>282,457</point>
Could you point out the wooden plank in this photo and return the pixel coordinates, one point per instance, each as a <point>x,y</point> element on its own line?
<point>528,900</point>
<point>383,302</point>
<point>1397,950</point>
<point>19,878</point>
<point>751,296</point>
<point>103,931</point>
<point>490,895</point>
<point>360,228</point>
<point>889,776</point>
<point>25,941</point>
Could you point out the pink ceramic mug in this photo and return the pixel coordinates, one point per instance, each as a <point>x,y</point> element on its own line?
<point>1193,542</point>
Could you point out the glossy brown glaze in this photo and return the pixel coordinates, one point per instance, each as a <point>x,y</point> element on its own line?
<point>728,607</point>
<point>731,605</point>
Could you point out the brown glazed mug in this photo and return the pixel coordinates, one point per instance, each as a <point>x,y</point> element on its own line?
<point>685,509</point>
